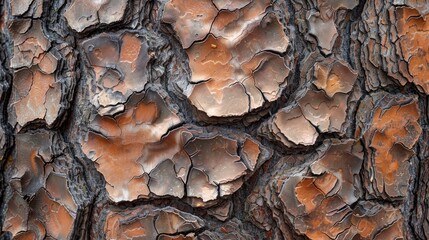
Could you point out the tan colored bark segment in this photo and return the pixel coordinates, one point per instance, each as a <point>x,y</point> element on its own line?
<point>322,104</point>
<point>149,222</point>
<point>30,43</point>
<point>36,93</point>
<point>399,48</point>
<point>389,139</point>
<point>81,14</point>
<point>229,54</point>
<point>191,20</point>
<point>322,22</point>
<point>322,199</point>
<point>119,62</point>
<point>142,155</point>
<point>41,101</point>
<point>413,33</point>
<point>117,144</point>
<point>41,204</point>
<point>237,52</point>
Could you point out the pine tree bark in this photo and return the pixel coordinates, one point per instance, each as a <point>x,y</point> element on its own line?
<point>214,119</point>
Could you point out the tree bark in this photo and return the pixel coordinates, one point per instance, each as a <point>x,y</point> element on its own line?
<point>214,119</point>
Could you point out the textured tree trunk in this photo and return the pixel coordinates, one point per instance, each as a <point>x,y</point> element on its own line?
<point>214,119</point>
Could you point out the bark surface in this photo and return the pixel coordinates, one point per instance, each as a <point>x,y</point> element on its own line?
<point>214,119</point>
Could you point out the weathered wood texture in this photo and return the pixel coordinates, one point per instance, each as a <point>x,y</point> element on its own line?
<point>214,119</point>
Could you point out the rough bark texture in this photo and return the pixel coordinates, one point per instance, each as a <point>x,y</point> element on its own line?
<point>214,119</point>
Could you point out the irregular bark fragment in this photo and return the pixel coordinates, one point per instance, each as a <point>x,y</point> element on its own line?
<point>221,212</point>
<point>110,139</point>
<point>30,100</point>
<point>120,64</point>
<point>332,190</point>
<point>229,230</point>
<point>413,33</point>
<point>56,210</point>
<point>234,61</point>
<point>16,216</point>
<point>389,142</point>
<point>373,221</point>
<point>324,30</point>
<point>321,199</point>
<point>396,53</point>
<point>41,203</point>
<point>171,221</point>
<point>322,103</point>
<point>191,20</point>
<point>224,166</point>
<point>343,160</point>
<point>179,105</point>
<point>160,161</point>
<point>30,43</point>
<point>334,76</point>
<point>251,152</point>
<point>148,222</point>
<point>291,127</point>
<point>165,173</point>
<point>322,22</point>
<point>31,8</point>
<point>43,73</point>
<point>81,14</point>
<point>199,186</point>
<point>40,101</point>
